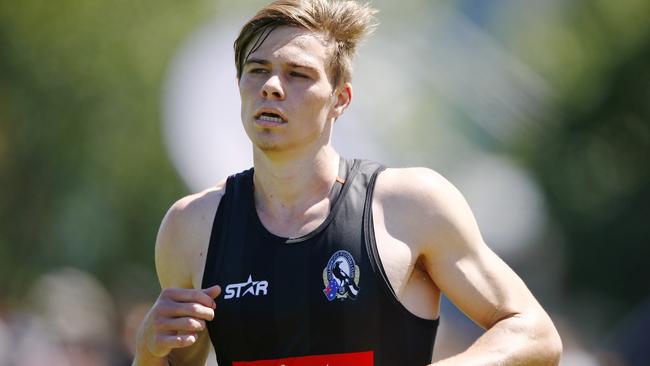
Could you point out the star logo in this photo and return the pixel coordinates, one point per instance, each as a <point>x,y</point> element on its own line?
<point>250,287</point>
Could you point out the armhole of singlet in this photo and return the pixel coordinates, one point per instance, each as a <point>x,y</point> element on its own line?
<point>213,257</point>
<point>373,253</point>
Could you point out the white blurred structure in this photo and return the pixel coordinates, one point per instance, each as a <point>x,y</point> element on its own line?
<point>201,108</point>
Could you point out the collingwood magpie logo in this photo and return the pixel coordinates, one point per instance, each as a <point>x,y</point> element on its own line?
<point>341,277</point>
<point>254,288</point>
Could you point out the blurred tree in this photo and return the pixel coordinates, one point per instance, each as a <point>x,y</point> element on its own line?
<point>594,167</point>
<point>85,178</point>
<point>591,153</point>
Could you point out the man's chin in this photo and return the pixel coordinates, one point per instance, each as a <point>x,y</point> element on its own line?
<point>269,146</point>
<point>265,142</point>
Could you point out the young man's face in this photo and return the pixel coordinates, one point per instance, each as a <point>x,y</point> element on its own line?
<point>287,100</point>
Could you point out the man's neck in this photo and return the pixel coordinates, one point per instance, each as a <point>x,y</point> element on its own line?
<point>289,188</point>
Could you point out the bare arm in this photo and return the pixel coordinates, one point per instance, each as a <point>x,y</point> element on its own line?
<point>477,281</point>
<point>174,331</point>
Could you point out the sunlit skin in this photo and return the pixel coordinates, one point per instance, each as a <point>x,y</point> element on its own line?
<point>295,166</point>
<point>427,238</point>
<point>287,76</point>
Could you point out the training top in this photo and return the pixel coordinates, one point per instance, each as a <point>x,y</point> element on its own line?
<point>316,300</point>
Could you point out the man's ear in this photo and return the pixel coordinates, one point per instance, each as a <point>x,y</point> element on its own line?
<point>343,97</point>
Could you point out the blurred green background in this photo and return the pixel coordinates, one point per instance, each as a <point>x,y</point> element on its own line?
<point>86,176</point>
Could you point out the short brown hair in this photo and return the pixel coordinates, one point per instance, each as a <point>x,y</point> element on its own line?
<point>342,23</point>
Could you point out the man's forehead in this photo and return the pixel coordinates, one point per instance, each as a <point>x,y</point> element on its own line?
<point>291,44</point>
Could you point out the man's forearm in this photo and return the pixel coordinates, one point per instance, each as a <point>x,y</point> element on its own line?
<point>143,358</point>
<point>513,341</point>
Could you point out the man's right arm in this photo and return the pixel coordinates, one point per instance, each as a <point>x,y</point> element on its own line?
<point>174,330</point>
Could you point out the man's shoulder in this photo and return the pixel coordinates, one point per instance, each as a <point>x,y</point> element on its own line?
<point>187,208</point>
<point>192,212</point>
<point>413,183</point>
<point>420,202</point>
<point>184,235</point>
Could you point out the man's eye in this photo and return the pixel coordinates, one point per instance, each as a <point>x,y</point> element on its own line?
<point>257,71</point>
<point>299,75</point>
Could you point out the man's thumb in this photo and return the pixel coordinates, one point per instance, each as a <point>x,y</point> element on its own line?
<point>213,291</point>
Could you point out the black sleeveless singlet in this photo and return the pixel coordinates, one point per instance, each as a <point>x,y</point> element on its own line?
<point>320,299</point>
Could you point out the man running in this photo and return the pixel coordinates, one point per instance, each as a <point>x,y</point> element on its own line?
<point>290,239</point>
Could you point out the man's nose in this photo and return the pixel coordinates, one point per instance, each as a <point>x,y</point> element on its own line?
<point>272,88</point>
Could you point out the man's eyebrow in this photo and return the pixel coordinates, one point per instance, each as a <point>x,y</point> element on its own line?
<point>303,66</point>
<point>257,61</point>
<point>264,62</point>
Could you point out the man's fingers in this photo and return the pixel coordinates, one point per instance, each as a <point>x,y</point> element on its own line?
<point>177,318</point>
<point>184,325</point>
<point>213,291</point>
<point>188,295</point>
<point>169,341</point>
<point>181,310</point>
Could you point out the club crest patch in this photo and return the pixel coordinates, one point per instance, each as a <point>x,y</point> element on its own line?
<point>341,277</point>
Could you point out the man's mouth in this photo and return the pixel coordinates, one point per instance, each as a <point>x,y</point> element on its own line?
<point>270,117</point>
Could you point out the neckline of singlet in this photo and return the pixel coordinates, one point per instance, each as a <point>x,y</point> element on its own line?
<point>347,172</point>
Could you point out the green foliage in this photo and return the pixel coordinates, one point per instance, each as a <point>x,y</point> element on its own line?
<point>85,176</point>
<point>591,151</point>
<point>594,167</point>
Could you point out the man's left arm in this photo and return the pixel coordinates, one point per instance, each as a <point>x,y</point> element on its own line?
<point>476,280</point>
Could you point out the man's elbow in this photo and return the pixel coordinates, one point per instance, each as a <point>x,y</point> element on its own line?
<point>555,348</point>
<point>549,344</point>
<point>542,345</point>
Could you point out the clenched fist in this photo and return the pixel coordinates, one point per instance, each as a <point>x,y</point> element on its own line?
<point>175,320</point>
